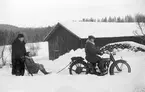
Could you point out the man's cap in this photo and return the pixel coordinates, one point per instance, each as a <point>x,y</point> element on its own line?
<point>20,35</point>
<point>91,37</point>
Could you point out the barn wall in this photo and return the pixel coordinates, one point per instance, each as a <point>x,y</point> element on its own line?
<point>103,41</point>
<point>62,41</point>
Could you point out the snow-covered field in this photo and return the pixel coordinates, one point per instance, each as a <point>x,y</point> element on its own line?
<point>63,82</point>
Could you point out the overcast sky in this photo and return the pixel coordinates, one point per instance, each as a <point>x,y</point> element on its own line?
<point>38,13</point>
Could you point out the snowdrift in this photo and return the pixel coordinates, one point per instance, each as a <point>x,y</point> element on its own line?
<point>63,82</point>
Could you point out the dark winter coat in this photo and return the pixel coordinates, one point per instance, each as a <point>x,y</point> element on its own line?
<point>18,49</point>
<point>92,51</point>
<point>31,65</point>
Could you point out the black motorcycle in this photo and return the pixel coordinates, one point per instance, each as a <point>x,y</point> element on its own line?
<point>81,66</point>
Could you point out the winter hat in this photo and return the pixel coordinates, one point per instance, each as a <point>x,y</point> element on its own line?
<point>91,37</point>
<point>20,35</point>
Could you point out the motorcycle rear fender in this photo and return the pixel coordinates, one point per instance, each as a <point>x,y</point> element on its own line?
<point>77,59</point>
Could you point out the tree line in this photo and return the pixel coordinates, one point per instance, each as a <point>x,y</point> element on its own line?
<point>127,18</point>
<point>31,34</point>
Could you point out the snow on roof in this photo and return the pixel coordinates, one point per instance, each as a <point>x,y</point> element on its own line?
<point>83,29</point>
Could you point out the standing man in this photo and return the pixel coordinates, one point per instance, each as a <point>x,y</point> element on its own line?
<point>18,50</point>
<point>92,54</point>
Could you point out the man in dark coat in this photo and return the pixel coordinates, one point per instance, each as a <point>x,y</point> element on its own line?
<point>18,50</point>
<point>92,53</point>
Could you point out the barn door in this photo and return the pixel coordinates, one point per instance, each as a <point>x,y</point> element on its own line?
<point>60,46</point>
<point>56,49</point>
<point>53,48</point>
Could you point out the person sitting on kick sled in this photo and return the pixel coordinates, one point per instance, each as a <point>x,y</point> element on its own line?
<point>33,67</point>
<point>92,53</point>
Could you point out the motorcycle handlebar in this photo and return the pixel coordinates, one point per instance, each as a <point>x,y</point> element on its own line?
<point>108,52</point>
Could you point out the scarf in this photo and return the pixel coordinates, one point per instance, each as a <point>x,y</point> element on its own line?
<point>90,42</point>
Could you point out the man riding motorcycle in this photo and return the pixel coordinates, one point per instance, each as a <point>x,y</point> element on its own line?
<point>92,54</point>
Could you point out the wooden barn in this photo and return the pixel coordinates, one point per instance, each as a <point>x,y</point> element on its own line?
<point>61,40</point>
<point>73,35</point>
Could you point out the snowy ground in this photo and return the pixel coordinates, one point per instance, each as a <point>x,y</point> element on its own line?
<point>63,82</point>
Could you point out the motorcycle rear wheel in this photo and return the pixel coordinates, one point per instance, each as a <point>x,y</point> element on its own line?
<point>78,67</point>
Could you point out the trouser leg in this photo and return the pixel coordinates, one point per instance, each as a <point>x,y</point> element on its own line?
<point>93,70</point>
<point>42,69</point>
<point>13,68</point>
<point>100,63</point>
<point>22,69</point>
<point>19,67</point>
<point>101,66</point>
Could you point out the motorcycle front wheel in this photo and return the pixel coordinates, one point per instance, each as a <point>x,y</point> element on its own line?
<point>119,66</point>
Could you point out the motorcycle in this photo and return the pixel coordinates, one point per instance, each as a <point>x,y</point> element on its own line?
<point>81,66</point>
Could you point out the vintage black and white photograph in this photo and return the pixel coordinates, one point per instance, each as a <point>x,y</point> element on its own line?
<point>72,45</point>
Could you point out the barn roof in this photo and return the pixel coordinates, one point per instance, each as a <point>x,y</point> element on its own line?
<point>55,28</point>
<point>83,29</point>
<point>97,29</point>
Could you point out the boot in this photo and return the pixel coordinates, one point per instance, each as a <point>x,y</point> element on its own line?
<point>44,71</point>
<point>93,71</point>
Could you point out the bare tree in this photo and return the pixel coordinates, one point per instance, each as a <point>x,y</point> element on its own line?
<point>33,48</point>
<point>140,20</point>
<point>6,38</point>
<point>2,55</point>
<point>3,35</point>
